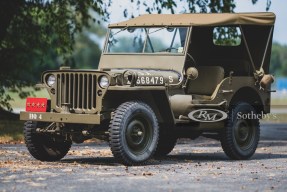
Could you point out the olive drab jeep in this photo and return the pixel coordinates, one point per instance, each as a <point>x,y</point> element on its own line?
<point>161,77</point>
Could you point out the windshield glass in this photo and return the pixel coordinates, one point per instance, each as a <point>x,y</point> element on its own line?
<point>147,40</point>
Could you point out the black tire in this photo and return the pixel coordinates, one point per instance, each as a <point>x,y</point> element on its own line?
<point>167,141</point>
<point>44,147</point>
<point>240,136</point>
<point>133,133</point>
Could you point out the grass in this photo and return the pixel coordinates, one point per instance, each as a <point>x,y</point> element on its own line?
<point>11,131</point>
<point>280,118</point>
<point>11,128</point>
<point>279,102</point>
<point>19,103</point>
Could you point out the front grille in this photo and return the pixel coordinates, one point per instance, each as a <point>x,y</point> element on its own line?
<point>77,91</point>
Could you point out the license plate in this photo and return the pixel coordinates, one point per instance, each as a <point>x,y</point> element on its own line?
<point>34,116</point>
<point>150,80</point>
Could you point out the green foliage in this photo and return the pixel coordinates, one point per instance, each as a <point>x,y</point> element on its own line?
<point>192,6</point>
<point>278,60</point>
<point>226,36</point>
<point>87,52</point>
<point>36,35</point>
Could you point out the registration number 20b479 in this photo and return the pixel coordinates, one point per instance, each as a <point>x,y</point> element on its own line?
<point>150,80</point>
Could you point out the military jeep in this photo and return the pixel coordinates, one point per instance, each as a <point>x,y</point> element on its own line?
<point>160,78</point>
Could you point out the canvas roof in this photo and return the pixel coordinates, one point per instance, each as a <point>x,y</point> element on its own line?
<point>199,19</point>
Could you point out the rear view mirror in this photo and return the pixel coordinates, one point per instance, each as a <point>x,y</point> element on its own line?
<point>131,29</point>
<point>170,29</point>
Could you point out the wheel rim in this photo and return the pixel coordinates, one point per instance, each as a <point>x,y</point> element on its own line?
<point>244,134</point>
<point>138,134</point>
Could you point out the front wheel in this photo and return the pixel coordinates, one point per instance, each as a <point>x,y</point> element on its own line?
<point>166,143</point>
<point>133,133</point>
<point>44,147</point>
<point>240,137</point>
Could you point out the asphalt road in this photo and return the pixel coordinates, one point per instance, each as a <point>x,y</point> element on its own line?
<point>192,166</point>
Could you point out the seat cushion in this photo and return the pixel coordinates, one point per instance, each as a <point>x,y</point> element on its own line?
<point>208,78</point>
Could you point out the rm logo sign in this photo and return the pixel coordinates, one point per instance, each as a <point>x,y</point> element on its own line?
<point>207,115</point>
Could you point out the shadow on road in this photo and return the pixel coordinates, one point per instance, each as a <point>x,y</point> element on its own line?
<point>175,158</point>
<point>92,161</point>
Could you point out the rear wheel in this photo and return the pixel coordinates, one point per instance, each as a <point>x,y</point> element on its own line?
<point>240,137</point>
<point>44,147</point>
<point>133,133</point>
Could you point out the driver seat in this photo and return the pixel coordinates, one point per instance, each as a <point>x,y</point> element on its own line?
<point>206,83</point>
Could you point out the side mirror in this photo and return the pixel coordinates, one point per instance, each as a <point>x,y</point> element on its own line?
<point>192,73</point>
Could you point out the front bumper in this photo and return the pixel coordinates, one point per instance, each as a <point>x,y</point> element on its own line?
<point>62,117</point>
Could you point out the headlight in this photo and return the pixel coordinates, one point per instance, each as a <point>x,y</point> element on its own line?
<point>51,80</point>
<point>104,82</point>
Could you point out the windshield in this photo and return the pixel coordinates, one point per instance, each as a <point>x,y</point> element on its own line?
<point>146,40</point>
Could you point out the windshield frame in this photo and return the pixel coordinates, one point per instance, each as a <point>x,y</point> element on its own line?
<point>185,48</point>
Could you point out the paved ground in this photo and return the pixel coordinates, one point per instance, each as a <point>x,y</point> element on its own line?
<point>193,165</point>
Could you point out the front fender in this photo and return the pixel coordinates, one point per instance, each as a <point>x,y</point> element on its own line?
<point>156,97</point>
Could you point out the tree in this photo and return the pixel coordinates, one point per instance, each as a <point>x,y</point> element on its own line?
<point>278,60</point>
<point>35,33</point>
<point>87,50</point>
<point>189,6</point>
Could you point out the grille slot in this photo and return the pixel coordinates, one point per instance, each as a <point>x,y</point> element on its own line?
<point>77,90</point>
